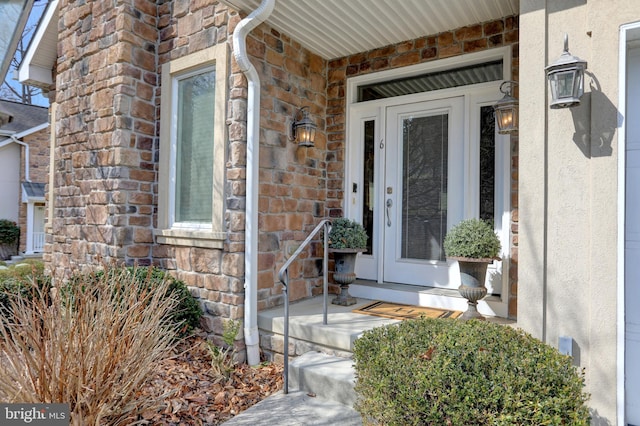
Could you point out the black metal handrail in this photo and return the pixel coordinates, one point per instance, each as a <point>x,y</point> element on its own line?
<point>284,279</point>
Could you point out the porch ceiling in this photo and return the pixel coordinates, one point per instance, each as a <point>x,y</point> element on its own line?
<point>336,28</point>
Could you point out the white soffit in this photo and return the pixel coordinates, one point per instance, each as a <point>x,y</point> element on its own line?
<point>336,28</point>
<point>41,55</point>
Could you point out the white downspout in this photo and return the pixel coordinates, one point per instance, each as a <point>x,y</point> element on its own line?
<point>251,336</point>
<point>26,157</point>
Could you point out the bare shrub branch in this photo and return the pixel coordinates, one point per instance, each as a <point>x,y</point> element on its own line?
<point>92,346</point>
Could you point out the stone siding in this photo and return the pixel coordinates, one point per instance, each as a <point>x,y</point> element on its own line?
<point>215,276</point>
<point>106,83</point>
<point>293,180</point>
<point>108,90</point>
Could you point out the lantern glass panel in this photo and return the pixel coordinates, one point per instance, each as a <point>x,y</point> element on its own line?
<point>507,118</point>
<point>306,134</point>
<point>565,84</point>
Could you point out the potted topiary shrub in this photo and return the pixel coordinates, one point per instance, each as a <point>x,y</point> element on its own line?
<point>474,245</point>
<point>347,238</point>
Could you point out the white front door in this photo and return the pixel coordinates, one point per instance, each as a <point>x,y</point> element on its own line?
<point>632,241</point>
<point>423,189</point>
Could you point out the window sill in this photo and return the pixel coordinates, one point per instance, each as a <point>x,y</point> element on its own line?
<point>190,237</point>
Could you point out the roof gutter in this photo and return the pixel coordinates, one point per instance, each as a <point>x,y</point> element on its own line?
<point>15,138</point>
<point>26,157</point>
<point>251,336</point>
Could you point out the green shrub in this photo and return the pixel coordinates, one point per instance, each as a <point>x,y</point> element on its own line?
<point>473,238</point>
<point>9,232</point>
<point>447,372</point>
<point>222,358</point>
<point>185,315</point>
<point>346,233</point>
<point>9,238</point>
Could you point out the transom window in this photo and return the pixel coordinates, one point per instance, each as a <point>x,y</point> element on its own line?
<point>430,81</point>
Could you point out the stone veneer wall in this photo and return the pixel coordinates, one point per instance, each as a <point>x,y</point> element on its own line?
<point>38,173</point>
<point>293,180</point>
<point>106,84</point>
<point>474,38</point>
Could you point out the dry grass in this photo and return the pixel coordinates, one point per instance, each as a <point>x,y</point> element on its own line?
<point>92,348</point>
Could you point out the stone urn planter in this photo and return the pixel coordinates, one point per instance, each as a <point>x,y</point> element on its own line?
<point>474,245</point>
<point>347,239</point>
<point>473,273</point>
<point>344,274</point>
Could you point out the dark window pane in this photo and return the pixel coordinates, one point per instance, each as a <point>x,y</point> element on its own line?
<point>487,163</point>
<point>369,179</point>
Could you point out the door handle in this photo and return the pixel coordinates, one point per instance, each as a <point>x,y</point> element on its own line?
<point>389,204</point>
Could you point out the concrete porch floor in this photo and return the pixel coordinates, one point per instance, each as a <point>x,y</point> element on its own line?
<point>308,333</point>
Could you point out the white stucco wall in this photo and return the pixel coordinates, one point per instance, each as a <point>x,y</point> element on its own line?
<point>567,283</point>
<point>9,181</point>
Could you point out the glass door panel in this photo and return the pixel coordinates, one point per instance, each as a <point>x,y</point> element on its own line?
<point>363,190</point>
<point>423,189</point>
<point>424,186</point>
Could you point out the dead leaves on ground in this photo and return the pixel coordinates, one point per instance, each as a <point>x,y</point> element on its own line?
<point>189,393</point>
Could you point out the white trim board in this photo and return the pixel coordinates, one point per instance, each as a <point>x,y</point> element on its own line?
<point>628,32</point>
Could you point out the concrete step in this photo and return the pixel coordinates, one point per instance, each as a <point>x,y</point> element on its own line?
<point>307,331</point>
<point>328,377</point>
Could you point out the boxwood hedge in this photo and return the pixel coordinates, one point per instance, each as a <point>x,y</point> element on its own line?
<point>448,372</point>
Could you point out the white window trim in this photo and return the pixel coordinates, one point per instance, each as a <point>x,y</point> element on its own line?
<point>191,234</point>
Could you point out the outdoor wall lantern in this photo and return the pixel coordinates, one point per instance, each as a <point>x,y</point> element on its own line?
<point>507,109</point>
<point>303,130</point>
<point>566,78</point>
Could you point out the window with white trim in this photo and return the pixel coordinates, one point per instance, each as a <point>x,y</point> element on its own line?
<point>192,154</point>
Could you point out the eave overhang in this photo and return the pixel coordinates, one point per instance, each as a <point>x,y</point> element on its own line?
<point>40,58</point>
<point>337,28</point>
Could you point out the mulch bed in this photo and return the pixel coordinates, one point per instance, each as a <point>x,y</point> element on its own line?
<point>189,393</point>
